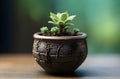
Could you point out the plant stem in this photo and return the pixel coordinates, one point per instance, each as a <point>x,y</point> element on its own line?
<point>61,30</point>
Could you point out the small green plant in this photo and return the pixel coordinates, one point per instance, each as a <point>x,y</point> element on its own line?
<point>75,31</point>
<point>61,22</point>
<point>44,29</point>
<point>54,30</point>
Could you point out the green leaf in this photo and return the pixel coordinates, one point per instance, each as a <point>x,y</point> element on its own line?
<point>51,22</point>
<point>67,21</point>
<point>54,29</point>
<point>53,17</point>
<point>69,24</point>
<point>61,23</point>
<point>76,30</point>
<point>44,29</point>
<point>58,15</point>
<point>65,28</point>
<point>64,16</point>
<point>71,17</point>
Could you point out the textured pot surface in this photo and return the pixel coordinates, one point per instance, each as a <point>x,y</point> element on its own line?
<point>60,54</point>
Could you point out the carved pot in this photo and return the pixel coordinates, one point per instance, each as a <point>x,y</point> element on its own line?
<point>59,54</point>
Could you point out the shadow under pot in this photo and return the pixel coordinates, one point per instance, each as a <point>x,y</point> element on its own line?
<point>59,54</point>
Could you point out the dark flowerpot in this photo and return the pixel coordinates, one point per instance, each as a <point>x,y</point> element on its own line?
<point>60,54</point>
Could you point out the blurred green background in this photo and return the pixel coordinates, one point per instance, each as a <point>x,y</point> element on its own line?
<point>100,19</point>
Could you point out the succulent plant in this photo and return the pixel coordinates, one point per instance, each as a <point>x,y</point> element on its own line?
<point>44,29</point>
<point>76,30</point>
<point>55,30</point>
<point>61,22</point>
<point>61,19</point>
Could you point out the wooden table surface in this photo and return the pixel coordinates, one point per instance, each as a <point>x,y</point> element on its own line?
<point>23,66</point>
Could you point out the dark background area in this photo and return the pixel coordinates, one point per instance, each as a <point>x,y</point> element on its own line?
<point>20,19</point>
<point>6,25</point>
<point>17,28</point>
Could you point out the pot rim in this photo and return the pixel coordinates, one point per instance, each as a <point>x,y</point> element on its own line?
<point>80,36</point>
